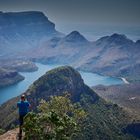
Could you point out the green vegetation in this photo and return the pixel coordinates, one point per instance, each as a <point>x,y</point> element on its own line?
<point>60,119</point>
<point>62,116</point>
<point>105,121</point>
<point>57,119</point>
<point>2,131</point>
<point>125,95</point>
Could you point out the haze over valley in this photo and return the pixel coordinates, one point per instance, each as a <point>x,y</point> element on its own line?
<point>114,55</point>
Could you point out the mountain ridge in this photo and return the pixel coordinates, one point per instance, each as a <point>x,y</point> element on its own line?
<point>110,55</point>
<point>118,39</point>
<point>75,36</point>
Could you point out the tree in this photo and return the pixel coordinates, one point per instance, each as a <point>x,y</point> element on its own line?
<point>57,119</point>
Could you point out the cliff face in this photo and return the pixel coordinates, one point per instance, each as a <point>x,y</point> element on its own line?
<point>28,19</point>
<point>23,30</point>
<point>9,77</point>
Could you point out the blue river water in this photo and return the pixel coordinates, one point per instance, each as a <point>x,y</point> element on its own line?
<point>91,79</point>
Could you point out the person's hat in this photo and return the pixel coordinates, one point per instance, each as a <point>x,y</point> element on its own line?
<point>22,96</point>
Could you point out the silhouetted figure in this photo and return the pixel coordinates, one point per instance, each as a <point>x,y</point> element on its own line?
<point>23,107</point>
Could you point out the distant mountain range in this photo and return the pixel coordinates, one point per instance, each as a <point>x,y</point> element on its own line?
<point>31,36</point>
<point>114,55</point>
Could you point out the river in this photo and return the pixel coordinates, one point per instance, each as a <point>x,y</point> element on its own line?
<point>91,79</point>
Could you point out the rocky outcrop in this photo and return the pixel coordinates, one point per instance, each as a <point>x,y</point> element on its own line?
<point>11,135</point>
<point>18,65</point>
<point>9,77</point>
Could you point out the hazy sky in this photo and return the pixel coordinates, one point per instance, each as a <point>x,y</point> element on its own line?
<point>72,14</point>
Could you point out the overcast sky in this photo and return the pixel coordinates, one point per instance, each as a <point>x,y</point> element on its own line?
<point>73,13</point>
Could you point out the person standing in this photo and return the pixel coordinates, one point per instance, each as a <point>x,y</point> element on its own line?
<point>23,108</point>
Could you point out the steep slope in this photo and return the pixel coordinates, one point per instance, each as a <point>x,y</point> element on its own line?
<point>20,31</point>
<point>127,96</point>
<point>65,50</point>
<point>104,121</point>
<point>9,77</point>
<point>114,55</point>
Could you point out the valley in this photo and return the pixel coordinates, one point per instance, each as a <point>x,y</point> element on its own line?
<point>37,40</point>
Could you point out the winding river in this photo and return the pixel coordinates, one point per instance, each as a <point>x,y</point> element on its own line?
<point>91,79</point>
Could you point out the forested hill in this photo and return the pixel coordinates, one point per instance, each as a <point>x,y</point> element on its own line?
<point>104,120</point>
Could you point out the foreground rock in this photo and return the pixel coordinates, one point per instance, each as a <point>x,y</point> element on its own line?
<point>10,135</point>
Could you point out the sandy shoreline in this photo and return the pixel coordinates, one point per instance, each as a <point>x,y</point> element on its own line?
<point>124,80</point>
